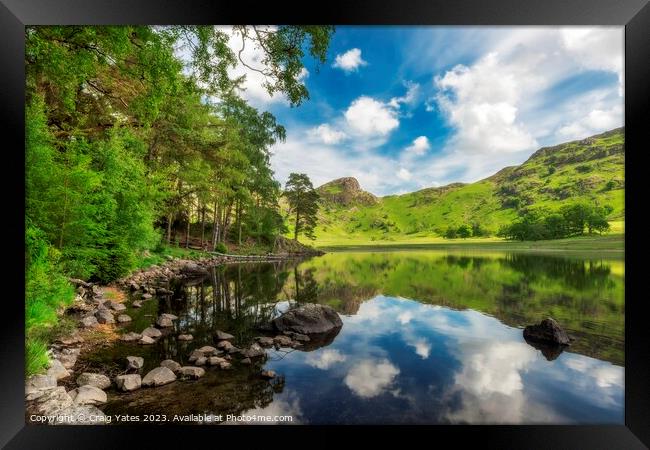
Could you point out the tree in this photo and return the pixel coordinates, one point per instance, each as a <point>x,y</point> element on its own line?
<point>303,202</point>
<point>463,231</point>
<point>451,233</point>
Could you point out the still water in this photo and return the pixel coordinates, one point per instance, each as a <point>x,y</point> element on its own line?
<point>428,337</point>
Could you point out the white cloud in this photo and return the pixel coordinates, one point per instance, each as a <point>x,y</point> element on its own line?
<point>409,98</point>
<point>597,120</point>
<point>369,378</point>
<point>328,135</point>
<point>403,174</point>
<point>405,317</point>
<point>325,359</point>
<point>368,117</point>
<point>349,61</point>
<point>422,348</point>
<point>419,146</point>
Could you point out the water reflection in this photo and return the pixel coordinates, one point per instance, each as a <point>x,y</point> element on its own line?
<point>427,338</point>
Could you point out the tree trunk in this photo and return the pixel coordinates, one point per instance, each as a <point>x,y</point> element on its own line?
<point>295,231</point>
<point>215,227</point>
<point>239,223</point>
<point>170,218</point>
<point>187,230</point>
<point>202,225</point>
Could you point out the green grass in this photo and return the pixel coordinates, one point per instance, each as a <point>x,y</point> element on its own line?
<point>36,359</point>
<point>611,243</point>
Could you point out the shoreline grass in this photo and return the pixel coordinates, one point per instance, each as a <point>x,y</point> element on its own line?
<point>611,245</point>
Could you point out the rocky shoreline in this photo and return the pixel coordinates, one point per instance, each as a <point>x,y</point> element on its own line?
<point>46,394</point>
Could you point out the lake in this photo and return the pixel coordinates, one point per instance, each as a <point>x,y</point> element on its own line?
<point>428,337</point>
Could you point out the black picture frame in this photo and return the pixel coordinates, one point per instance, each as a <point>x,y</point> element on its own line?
<point>633,14</point>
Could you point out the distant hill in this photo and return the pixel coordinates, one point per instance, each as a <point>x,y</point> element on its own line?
<point>591,169</point>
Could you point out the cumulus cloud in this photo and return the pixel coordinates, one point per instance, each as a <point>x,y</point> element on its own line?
<point>419,146</point>
<point>597,120</point>
<point>325,359</point>
<point>368,117</point>
<point>409,98</point>
<point>327,135</point>
<point>403,174</point>
<point>369,378</point>
<point>349,61</point>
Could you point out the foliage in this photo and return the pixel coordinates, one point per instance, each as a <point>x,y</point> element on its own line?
<point>572,220</point>
<point>303,202</point>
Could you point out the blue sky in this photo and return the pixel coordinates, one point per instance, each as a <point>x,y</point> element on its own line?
<point>404,108</point>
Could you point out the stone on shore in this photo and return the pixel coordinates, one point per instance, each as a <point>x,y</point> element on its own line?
<point>123,318</point>
<point>51,401</point>
<point>129,382</point>
<point>146,296</point>
<point>158,377</point>
<point>57,370</point>
<point>207,350</point>
<point>185,337</point>
<point>116,306</point>
<point>246,361</point>
<point>88,395</point>
<point>164,322</point>
<point>282,341</point>
<point>104,316</point>
<point>254,351</point>
<point>268,374</point>
<point>136,304</point>
<point>190,372</point>
<point>134,362</point>
<point>89,322</point>
<point>146,340</point>
<point>94,379</point>
<point>170,364</point>
<point>265,341</point>
<point>309,319</point>
<point>222,336</point>
<point>131,336</point>
<point>152,332</point>
<point>225,345</point>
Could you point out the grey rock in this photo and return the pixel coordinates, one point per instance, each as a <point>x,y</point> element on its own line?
<point>222,336</point>
<point>88,395</point>
<point>134,362</point>
<point>185,337</point>
<point>254,351</point>
<point>201,361</point>
<point>195,355</point>
<point>207,350</point>
<point>152,332</point>
<point>269,374</point>
<point>265,341</point>
<point>136,304</point>
<point>282,341</point>
<point>164,322</point>
<point>215,360</point>
<point>36,382</point>
<point>52,400</point>
<point>225,345</point>
<point>309,319</point>
<point>190,372</point>
<point>94,379</point>
<point>300,337</point>
<point>129,382</point>
<point>146,340</point>
<point>158,377</point>
<point>169,316</point>
<point>131,336</point>
<point>89,322</point>
<point>57,370</point>
<point>123,318</point>
<point>170,364</point>
<point>548,331</point>
<point>146,296</point>
<point>116,306</point>
<point>246,361</point>
<point>80,415</point>
<point>104,316</point>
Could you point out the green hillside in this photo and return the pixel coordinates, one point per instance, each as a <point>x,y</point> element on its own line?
<point>591,170</point>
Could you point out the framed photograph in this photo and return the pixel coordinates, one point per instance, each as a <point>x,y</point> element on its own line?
<point>378,214</point>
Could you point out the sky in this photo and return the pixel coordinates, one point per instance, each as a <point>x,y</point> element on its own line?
<point>405,108</point>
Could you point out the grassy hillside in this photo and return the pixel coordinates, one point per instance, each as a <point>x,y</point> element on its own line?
<point>591,169</point>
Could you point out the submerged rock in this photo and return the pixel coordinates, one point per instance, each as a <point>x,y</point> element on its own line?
<point>158,377</point>
<point>129,382</point>
<point>265,341</point>
<point>164,322</point>
<point>309,319</point>
<point>94,379</point>
<point>185,337</point>
<point>282,341</point>
<point>548,331</point>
